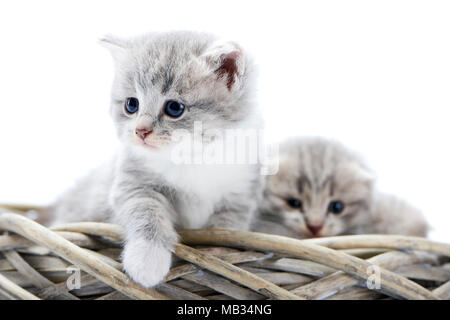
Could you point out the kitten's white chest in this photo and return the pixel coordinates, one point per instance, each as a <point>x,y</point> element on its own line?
<point>202,187</point>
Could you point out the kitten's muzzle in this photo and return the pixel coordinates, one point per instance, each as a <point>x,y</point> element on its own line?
<point>143,133</point>
<point>315,229</point>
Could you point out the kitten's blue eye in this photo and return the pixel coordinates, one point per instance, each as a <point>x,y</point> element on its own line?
<point>131,105</point>
<point>294,203</point>
<point>336,207</point>
<point>174,109</point>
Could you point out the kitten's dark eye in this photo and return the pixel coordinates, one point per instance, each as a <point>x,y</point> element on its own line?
<point>336,207</point>
<point>294,203</point>
<point>174,109</point>
<point>131,105</point>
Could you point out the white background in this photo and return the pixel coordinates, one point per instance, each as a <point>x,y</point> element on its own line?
<point>373,74</point>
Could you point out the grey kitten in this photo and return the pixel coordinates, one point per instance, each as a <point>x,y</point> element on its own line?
<point>324,189</point>
<point>164,83</point>
<point>391,215</point>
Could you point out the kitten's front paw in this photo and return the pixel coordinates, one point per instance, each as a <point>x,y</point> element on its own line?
<point>146,262</point>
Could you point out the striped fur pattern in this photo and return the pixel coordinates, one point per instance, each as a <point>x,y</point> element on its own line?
<point>316,171</point>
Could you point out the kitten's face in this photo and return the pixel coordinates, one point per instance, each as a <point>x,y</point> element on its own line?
<point>318,197</point>
<point>166,82</point>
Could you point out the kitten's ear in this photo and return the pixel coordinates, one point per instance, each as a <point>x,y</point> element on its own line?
<point>356,181</point>
<point>227,61</point>
<point>354,171</point>
<point>116,46</point>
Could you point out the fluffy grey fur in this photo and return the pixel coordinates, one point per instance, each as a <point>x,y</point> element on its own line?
<point>141,188</point>
<point>315,172</point>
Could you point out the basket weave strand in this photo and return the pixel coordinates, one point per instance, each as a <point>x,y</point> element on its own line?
<point>219,264</point>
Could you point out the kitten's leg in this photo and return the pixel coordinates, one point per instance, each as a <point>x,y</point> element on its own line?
<point>149,234</point>
<point>236,211</point>
<point>233,214</point>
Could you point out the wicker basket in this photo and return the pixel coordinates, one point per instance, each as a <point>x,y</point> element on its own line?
<point>39,263</point>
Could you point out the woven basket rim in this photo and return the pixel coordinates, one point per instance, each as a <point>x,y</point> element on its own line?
<point>71,243</point>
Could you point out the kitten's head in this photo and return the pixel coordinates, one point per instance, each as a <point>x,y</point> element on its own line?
<point>321,189</point>
<point>168,81</point>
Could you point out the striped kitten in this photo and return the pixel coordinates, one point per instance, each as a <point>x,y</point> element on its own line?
<point>324,189</point>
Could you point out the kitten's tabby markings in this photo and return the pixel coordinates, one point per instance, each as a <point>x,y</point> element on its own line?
<point>324,189</point>
<point>141,188</point>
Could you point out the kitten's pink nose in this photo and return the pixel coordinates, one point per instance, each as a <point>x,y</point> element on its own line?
<point>143,132</point>
<point>315,229</point>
